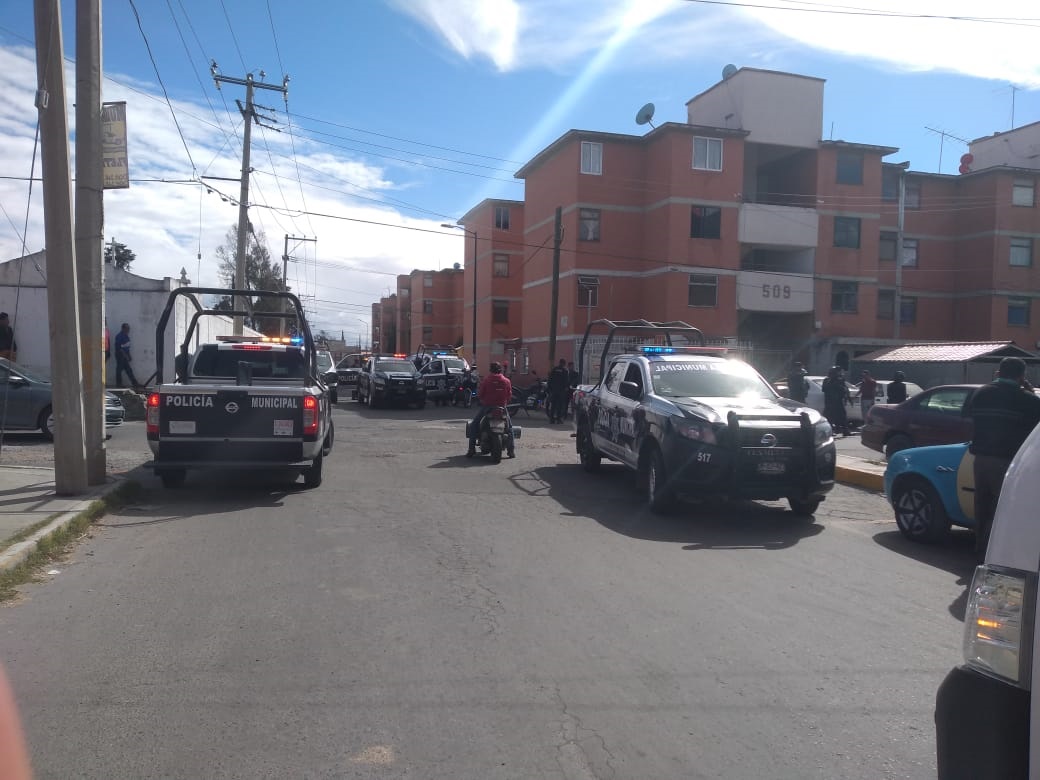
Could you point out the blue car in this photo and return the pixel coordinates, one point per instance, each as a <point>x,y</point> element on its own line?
<point>930,489</point>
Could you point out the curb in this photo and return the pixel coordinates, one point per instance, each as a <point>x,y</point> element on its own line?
<point>859,478</point>
<point>18,553</point>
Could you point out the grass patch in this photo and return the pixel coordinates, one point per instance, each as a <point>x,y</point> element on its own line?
<point>25,533</point>
<point>54,545</point>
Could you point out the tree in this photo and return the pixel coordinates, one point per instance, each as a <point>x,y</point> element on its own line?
<point>261,274</point>
<point>119,255</point>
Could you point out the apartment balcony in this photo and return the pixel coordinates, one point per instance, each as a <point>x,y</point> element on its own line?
<point>776,293</point>
<point>780,226</point>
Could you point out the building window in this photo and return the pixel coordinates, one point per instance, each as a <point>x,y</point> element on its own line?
<point>588,225</point>
<point>907,310</point>
<point>1023,193</point>
<point>704,290</point>
<point>427,306</point>
<point>501,217</point>
<point>427,280</point>
<point>886,304</point>
<point>887,246</point>
<point>591,158</point>
<point>912,195</point>
<point>705,222</point>
<point>846,232</point>
<point>707,154</point>
<point>850,167</point>
<point>588,292</point>
<point>890,184</point>
<point>500,312</point>
<point>427,333</point>
<point>1018,311</point>
<point>909,253</point>
<point>500,266</point>
<point>844,297</point>
<point>1021,252</point>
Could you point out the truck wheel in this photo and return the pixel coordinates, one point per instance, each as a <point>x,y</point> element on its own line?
<point>46,422</point>
<point>898,442</point>
<point>312,475</point>
<point>590,459</point>
<point>173,478</point>
<point>920,513</point>
<point>371,400</point>
<point>658,497</point>
<point>804,507</point>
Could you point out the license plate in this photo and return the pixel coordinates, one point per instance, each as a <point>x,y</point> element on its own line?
<point>771,467</point>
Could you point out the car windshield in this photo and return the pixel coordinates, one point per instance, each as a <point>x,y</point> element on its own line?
<point>395,366</point>
<point>708,379</point>
<point>273,363</point>
<point>324,360</point>
<point>455,364</point>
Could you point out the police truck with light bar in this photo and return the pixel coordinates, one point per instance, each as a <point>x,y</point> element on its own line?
<point>250,403</point>
<point>694,422</point>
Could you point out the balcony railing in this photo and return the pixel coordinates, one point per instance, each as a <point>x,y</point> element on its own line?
<point>780,226</point>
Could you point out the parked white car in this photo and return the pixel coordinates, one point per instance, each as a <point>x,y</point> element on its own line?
<point>815,396</point>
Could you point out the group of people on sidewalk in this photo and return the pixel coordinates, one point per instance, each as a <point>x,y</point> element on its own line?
<point>836,394</point>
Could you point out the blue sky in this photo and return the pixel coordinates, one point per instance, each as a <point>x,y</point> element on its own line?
<point>406,113</point>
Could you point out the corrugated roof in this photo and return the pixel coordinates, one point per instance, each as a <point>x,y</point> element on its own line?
<point>947,352</point>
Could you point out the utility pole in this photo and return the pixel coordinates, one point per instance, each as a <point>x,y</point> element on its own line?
<point>285,273</point>
<point>249,115</point>
<point>555,305</point>
<point>70,457</point>
<point>897,298</point>
<point>90,233</point>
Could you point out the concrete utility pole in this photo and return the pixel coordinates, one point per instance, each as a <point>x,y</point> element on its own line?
<point>90,231</point>
<point>285,273</point>
<point>897,298</point>
<point>70,457</point>
<point>249,115</point>
<point>554,308</point>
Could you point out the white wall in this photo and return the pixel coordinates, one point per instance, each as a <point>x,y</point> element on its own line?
<point>1019,148</point>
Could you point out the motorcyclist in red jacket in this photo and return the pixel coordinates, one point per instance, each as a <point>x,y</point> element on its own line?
<point>495,390</point>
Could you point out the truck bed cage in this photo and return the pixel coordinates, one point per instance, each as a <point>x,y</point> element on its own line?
<point>653,331</point>
<point>191,293</point>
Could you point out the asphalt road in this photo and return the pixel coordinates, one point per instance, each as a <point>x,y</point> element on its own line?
<point>425,616</point>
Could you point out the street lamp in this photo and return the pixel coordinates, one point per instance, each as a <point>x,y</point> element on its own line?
<point>474,234</point>
<point>365,323</point>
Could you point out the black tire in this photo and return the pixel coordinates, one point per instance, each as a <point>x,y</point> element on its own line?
<point>804,507</point>
<point>371,398</point>
<point>333,396</point>
<point>358,397</point>
<point>496,448</point>
<point>172,478</point>
<point>46,422</point>
<point>590,459</point>
<point>898,442</point>
<point>919,511</point>
<point>312,474</point>
<point>659,498</point>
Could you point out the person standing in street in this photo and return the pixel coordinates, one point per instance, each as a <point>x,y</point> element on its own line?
<point>867,393</point>
<point>896,392</point>
<point>123,357</point>
<point>1004,413</point>
<point>8,347</point>
<point>835,397</point>
<point>573,378</point>
<point>556,390</point>
<point>797,384</point>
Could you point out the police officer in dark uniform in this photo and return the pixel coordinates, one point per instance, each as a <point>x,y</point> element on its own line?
<point>1004,413</point>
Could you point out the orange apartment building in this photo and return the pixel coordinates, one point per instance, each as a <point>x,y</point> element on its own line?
<point>384,325</point>
<point>429,311</point>
<point>744,223</point>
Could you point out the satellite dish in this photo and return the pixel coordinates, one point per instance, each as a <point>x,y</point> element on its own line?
<point>728,71</point>
<point>645,114</point>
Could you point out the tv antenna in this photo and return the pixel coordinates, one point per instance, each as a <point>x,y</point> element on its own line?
<point>645,114</point>
<point>943,135</point>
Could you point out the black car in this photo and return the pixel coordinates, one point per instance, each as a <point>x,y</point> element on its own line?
<point>441,375</point>
<point>348,369</point>
<point>390,379</point>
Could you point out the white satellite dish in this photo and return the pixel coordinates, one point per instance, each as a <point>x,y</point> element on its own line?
<point>645,114</point>
<point>728,71</point>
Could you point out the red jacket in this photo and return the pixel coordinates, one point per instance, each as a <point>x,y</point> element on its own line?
<point>495,390</point>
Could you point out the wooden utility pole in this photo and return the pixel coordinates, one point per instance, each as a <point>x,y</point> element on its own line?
<point>90,233</point>
<point>554,309</point>
<point>70,459</point>
<point>285,273</point>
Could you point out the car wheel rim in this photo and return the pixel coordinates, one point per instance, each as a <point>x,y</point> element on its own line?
<point>915,512</point>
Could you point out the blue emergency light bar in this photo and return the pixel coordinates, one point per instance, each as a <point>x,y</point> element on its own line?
<point>655,350</point>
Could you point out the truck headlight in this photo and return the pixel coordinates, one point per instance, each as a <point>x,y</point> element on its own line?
<point>823,432</point>
<point>999,614</point>
<point>697,431</point>
<point>380,381</point>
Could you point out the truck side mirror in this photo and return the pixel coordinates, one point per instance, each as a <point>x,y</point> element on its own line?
<point>630,390</point>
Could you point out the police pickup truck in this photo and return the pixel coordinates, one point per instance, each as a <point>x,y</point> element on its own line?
<point>241,402</point>
<point>693,422</point>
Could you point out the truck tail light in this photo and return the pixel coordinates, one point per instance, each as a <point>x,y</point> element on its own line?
<point>998,618</point>
<point>152,414</point>
<point>310,415</point>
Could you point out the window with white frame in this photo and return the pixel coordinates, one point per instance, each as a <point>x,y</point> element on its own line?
<point>588,292</point>
<point>427,280</point>
<point>1021,252</point>
<point>910,247</point>
<point>501,218</point>
<point>703,290</point>
<point>500,266</point>
<point>592,157</point>
<point>1023,193</point>
<point>588,225</point>
<point>1018,311</point>
<point>707,154</point>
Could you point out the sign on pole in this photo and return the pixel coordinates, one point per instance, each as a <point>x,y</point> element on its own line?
<point>113,145</point>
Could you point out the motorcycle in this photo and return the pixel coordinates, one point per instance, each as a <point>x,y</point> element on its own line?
<point>464,392</point>
<point>493,437</point>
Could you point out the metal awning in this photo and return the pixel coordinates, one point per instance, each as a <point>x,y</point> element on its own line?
<point>949,352</point>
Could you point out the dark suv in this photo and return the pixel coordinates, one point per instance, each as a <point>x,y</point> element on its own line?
<point>390,379</point>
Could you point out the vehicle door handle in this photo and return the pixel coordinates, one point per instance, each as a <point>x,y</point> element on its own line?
<point>945,470</point>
